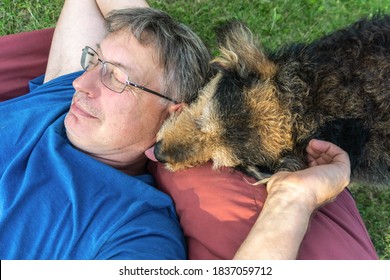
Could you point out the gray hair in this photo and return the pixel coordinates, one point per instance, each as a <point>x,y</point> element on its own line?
<point>184,57</point>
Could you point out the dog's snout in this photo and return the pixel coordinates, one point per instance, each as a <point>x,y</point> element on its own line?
<point>157,152</point>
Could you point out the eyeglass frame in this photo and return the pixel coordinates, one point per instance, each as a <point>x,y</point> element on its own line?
<point>128,83</point>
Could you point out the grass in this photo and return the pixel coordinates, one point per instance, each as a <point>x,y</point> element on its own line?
<point>24,15</point>
<point>276,22</point>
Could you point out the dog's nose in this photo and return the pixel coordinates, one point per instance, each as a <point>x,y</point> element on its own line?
<point>157,152</point>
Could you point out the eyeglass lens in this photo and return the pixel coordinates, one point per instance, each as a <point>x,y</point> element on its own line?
<point>111,75</point>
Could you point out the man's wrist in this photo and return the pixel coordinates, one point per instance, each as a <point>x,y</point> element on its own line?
<point>291,190</point>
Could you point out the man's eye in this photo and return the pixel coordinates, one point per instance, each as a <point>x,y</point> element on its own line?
<point>119,75</point>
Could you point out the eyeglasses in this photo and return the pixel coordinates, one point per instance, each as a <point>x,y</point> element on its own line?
<point>111,75</point>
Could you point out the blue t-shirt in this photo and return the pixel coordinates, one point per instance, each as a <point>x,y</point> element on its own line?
<point>59,203</point>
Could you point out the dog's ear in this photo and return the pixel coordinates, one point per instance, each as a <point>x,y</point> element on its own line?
<point>240,52</point>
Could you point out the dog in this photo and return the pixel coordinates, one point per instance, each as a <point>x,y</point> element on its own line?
<point>260,110</point>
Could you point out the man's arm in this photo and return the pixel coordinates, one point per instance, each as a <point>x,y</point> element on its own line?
<point>292,198</point>
<point>81,23</point>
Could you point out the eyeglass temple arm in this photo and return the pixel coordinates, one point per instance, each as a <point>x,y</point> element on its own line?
<point>151,91</point>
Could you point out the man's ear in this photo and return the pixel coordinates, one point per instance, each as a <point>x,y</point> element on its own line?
<point>176,108</point>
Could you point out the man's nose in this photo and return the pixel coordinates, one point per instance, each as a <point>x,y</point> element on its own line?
<point>88,82</point>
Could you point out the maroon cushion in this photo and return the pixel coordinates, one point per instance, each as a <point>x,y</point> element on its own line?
<point>218,208</point>
<point>23,57</point>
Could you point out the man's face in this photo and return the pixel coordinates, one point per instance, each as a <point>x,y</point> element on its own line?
<point>116,127</point>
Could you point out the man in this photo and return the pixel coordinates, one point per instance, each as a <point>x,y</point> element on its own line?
<point>74,183</point>
<point>73,180</point>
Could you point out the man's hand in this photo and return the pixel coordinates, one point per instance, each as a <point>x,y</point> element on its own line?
<point>328,174</point>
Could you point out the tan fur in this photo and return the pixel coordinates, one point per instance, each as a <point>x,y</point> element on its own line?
<point>205,144</point>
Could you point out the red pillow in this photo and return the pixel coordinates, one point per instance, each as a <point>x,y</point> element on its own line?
<point>217,209</point>
<point>23,57</point>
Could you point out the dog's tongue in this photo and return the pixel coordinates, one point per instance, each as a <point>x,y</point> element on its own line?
<point>150,154</point>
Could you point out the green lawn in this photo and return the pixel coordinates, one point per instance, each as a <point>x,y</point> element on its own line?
<point>276,22</point>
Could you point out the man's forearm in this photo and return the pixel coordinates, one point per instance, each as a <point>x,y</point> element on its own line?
<point>278,232</point>
<point>81,24</point>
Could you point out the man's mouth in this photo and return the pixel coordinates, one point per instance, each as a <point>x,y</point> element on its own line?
<point>79,111</point>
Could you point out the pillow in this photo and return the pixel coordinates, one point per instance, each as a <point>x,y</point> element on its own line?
<point>23,57</point>
<point>217,209</point>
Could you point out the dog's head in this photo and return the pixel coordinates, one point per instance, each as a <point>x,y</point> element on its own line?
<point>235,116</point>
<point>194,136</point>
